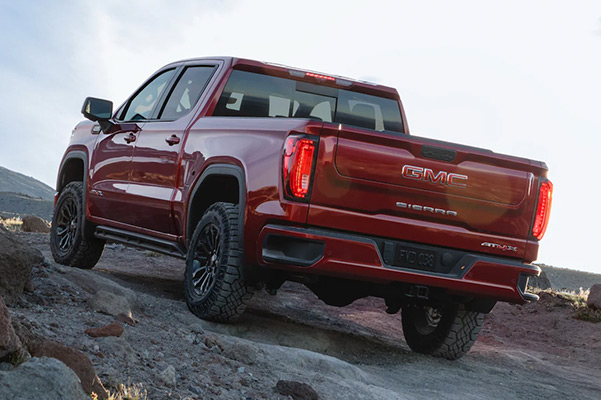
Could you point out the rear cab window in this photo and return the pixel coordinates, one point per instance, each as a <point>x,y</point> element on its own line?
<point>249,94</point>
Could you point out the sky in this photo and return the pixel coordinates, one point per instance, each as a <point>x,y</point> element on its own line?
<point>517,77</point>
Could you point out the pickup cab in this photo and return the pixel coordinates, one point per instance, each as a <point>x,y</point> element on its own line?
<point>256,174</point>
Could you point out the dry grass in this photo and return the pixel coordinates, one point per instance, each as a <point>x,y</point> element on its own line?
<point>12,224</point>
<point>576,298</point>
<point>588,314</point>
<point>126,392</point>
<point>573,299</point>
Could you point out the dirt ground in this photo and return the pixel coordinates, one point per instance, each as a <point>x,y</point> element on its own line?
<point>357,352</point>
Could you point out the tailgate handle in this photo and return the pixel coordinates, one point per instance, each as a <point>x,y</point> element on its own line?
<point>437,153</point>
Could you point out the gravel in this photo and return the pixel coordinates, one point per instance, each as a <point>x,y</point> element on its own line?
<point>356,352</point>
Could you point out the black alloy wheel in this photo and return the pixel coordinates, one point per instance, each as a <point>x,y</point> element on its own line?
<point>206,260</point>
<point>214,281</point>
<point>66,225</point>
<point>67,241</point>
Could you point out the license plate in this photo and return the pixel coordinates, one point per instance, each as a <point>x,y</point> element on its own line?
<point>412,257</point>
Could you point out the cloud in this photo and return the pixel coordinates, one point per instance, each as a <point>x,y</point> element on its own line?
<point>514,76</point>
<point>57,53</point>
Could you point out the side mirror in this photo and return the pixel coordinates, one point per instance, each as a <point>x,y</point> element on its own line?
<point>98,110</point>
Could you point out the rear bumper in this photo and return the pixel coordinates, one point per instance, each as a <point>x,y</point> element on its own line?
<point>377,260</point>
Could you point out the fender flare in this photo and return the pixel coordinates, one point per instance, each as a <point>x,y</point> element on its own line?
<point>75,154</point>
<point>88,229</point>
<point>215,170</point>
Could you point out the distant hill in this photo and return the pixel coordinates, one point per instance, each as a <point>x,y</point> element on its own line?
<point>19,205</point>
<point>564,278</point>
<point>14,182</point>
<point>23,195</point>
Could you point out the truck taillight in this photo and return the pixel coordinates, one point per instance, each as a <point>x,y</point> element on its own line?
<point>298,167</point>
<point>320,76</point>
<point>543,209</point>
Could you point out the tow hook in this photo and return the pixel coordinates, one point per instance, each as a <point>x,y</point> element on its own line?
<point>420,292</point>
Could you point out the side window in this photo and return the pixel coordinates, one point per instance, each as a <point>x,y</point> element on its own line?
<point>186,92</point>
<point>141,105</point>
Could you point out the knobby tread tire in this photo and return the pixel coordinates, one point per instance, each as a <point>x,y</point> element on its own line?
<point>462,335</point>
<point>228,297</point>
<point>85,252</point>
<point>452,338</point>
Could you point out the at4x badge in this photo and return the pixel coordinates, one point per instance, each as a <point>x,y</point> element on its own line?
<point>497,246</point>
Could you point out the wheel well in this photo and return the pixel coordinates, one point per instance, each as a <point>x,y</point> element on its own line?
<point>72,171</point>
<point>213,189</point>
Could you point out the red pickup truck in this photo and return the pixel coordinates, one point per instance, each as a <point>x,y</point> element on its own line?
<point>257,173</point>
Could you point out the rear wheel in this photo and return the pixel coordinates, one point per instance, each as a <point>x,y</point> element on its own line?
<point>214,283</point>
<point>446,330</point>
<point>67,243</point>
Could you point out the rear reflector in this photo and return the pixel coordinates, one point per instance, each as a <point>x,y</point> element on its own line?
<point>543,210</point>
<point>298,167</point>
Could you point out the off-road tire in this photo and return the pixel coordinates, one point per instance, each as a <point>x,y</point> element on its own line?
<point>451,337</point>
<point>223,298</point>
<point>68,245</point>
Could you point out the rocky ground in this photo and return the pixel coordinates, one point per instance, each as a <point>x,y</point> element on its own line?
<point>357,352</point>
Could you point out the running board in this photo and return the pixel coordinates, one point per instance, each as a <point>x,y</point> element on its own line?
<point>138,240</point>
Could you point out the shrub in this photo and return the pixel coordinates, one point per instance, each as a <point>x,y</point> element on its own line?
<point>126,392</point>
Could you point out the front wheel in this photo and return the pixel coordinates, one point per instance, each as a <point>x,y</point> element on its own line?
<point>214,281</point>
<point>446,330</point>
<point>68,245</point>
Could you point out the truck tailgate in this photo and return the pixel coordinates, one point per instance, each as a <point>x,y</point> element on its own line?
<point>388,184</point>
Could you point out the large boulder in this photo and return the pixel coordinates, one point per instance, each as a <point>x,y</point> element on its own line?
<point>110,303</point>
<point>25,332</point>
<point>74,359</point>
<point>9,342</point>
<point>594,297</point>
<point>119,348</point>
<point>124,300</point>
<point>16,261</point>
<point>112,329</point>
<point>41,378</point>
<point>32,223</point>
<point>296,390</point>
<point>169,376</point>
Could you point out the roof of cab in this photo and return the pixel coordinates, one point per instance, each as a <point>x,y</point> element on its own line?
<point>299,74</point>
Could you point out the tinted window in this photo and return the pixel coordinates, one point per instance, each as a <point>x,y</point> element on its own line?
<point>369,112</point>
<point>141,105</point>
<point>186,92</point>
<point>248,94</point>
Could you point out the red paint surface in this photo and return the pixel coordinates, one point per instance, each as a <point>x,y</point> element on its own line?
<point>146,185</point>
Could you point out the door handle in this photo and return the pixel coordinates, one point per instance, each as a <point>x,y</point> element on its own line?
<point>130,138</point>
<point>172,140</point>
